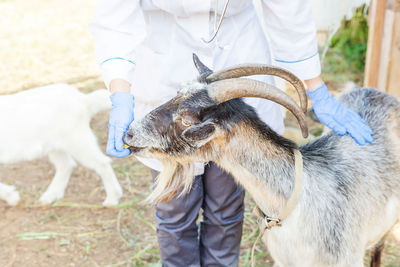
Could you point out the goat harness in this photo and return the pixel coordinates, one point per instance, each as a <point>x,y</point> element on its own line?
<point>268,222</point>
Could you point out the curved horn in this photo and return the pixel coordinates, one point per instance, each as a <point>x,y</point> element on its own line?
<point>225,90</point>
<point>204,71</point>
<point>256,69</point>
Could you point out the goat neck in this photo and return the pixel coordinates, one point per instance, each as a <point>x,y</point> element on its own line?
<point>264,165</point>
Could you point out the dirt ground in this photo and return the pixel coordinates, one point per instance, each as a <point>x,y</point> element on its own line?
<point>43,42</point>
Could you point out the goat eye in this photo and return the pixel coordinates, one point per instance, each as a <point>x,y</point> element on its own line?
<point>186,123</point>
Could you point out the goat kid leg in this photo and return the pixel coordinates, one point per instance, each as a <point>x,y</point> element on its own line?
<point>111,184</point>
<point>9,194</point>
<point>104,170</point>
<point>64,165</point>
<point>91,157</point>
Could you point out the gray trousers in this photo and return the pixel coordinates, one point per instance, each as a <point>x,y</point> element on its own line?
<point>218,242</point>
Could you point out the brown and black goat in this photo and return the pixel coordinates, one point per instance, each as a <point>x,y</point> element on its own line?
<point>350,197</point>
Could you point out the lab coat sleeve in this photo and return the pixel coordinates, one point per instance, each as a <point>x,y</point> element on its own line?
<point>291,29</point>
<point>117,27</point>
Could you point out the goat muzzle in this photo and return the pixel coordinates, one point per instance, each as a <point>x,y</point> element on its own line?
<point>133,149</point>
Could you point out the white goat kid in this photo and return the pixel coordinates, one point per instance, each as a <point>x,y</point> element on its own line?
<point>54,120</point>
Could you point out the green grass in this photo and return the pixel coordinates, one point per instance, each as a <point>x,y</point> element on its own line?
<point>345,59</point>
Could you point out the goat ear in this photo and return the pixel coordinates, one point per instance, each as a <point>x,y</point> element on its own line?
<point>199,132</point>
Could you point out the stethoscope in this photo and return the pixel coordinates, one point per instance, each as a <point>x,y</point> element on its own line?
<point>216,28</point>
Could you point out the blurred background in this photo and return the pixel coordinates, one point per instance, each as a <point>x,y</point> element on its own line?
<point>47,41</point>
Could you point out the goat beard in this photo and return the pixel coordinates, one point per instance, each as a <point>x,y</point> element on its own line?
<point>175,180</point>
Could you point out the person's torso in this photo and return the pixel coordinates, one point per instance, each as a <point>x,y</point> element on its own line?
<point>177,29</point>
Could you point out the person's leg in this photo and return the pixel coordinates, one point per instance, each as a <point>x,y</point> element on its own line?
<point>223,211</point>
<point>176,227</point>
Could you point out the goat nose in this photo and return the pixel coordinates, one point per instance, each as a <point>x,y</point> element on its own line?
<point>128,137</point>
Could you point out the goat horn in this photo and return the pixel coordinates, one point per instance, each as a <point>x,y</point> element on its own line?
<point>257,69</point>
<point>204,71</point>
<point>225,90</point>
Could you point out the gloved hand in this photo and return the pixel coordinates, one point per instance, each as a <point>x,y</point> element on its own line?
<point>121,117</point>
<point>339,118</point>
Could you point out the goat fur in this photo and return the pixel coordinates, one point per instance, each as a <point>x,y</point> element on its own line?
<point>54,121</point>
<point>350,196</point>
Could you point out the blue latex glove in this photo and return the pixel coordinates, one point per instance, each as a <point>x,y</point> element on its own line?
<point>339,118</point>
<point>121,117</point>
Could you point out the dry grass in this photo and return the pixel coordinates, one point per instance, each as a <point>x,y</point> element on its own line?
<point>41,42</point>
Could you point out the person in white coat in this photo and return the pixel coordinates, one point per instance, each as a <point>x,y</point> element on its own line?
<point>145,48</point>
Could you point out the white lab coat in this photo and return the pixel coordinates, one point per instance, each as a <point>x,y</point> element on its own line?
<point>149,43</point>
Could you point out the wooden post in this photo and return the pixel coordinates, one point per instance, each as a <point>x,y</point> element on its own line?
<point>382,68</point>
<point>376,20</point>
<point>393,73</point>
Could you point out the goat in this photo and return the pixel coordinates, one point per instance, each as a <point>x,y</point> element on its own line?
<point>54,120</point>
<point>350,197</point>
